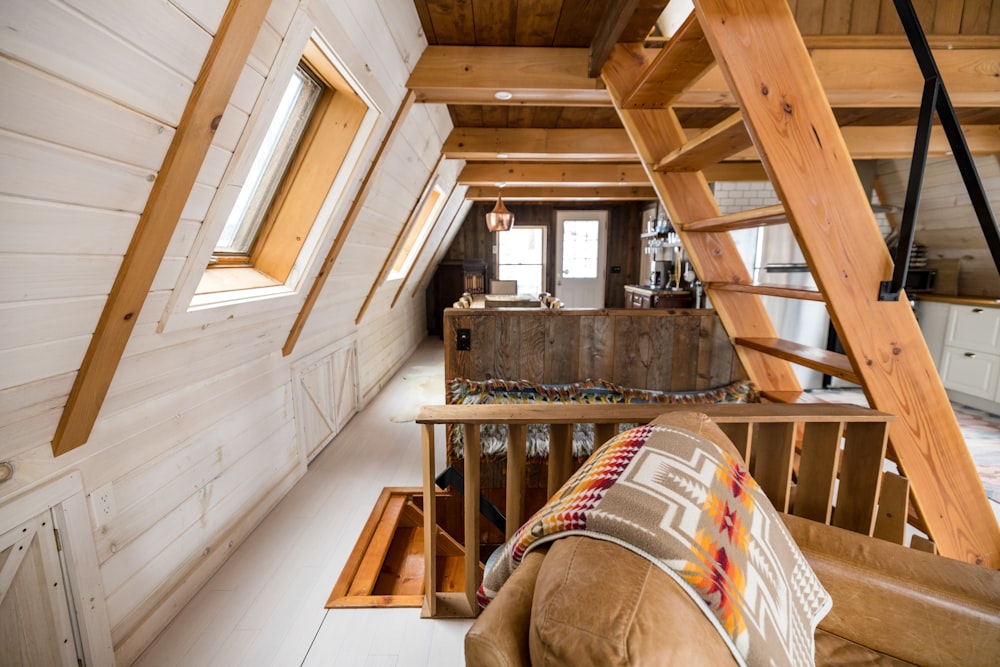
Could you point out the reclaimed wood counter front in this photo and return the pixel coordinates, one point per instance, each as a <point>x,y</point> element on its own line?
<point>681,350</point>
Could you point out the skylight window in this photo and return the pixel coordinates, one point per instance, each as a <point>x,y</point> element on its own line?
<point>417,232</point>
<point>270,165</point>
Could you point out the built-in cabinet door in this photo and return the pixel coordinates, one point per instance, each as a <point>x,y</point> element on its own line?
<point>35,621</point>
<point>970,361</point>
<point>974,328</point>
<point>325,393</point>
<point>344,367</point>
<point>972,372</point>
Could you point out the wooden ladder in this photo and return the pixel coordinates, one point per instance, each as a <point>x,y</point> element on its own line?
<point>784,113</point>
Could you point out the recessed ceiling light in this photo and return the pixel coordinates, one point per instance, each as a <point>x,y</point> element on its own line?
<point>503,94</point>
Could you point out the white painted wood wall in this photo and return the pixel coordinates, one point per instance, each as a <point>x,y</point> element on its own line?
<point>198,436</point>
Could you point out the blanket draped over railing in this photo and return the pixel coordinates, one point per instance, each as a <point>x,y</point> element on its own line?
<point>678,500</point>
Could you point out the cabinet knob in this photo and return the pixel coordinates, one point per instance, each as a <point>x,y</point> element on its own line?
<point>977,310</point>
<point>970,355</point>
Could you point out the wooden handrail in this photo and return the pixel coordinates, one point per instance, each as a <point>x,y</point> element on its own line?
<point>841,450</point>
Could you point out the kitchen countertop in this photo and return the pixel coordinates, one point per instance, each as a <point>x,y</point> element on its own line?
<point>981,301</point>
<point>653,291</point>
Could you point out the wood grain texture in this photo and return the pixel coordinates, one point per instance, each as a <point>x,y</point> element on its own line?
<point>688,198</point>
<point>799,141</point>
<point>187,151</point>
<point>659,350</point>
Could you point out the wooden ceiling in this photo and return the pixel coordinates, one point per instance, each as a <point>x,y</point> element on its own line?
<point>544,51</point>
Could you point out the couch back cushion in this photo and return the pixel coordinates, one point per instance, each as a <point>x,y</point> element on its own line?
<point>620,610</point>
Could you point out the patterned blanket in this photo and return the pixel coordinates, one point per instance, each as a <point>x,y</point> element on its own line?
<point>678,500</point>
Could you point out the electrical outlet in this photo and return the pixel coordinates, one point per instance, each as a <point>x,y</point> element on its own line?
<point>103,502</point>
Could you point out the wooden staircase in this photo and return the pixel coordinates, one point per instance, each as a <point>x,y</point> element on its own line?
<point>783,112</point>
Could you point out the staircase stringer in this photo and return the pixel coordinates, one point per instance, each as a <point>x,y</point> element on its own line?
<point>764,60</point>
<point>688,198</point>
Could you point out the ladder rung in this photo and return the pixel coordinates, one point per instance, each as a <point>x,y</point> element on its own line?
<point>683,59</point>
<point>824,361</point>
<point>769,290</point>
<point>755,217</point>
<point>710,147</point>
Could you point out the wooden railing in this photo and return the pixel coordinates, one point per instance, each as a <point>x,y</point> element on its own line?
<point>838,478</point>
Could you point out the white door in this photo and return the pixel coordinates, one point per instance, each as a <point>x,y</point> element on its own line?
<point>35,626</point>
<point>581,251</point>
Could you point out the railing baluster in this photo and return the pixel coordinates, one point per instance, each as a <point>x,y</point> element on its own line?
<point>516,445</point>
<point>471,498</point>
<point>860,476</point>
<point>430,523</point>
<point>774,444</point>
<point>818,470</point>
<point>560,456</point>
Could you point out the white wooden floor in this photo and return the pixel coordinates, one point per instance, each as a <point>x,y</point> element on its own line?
<point>265,605</point>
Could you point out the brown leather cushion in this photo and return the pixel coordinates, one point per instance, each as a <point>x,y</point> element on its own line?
<point>596,603</point>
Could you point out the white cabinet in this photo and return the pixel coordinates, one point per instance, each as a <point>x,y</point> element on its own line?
<point>325,394</point>
<point>970,355</point>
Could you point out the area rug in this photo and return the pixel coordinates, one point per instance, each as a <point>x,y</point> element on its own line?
<point>423,385</point>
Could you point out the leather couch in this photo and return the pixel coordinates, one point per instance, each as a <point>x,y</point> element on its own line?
<point>891,606</point>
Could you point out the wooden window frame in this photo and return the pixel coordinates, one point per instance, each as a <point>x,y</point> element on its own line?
<point>338,117</point>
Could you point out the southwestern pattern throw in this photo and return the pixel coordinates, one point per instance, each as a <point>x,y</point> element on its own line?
<point>677,499</point>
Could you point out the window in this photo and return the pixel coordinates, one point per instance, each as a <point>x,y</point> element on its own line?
<point>293,170</point>
<point>580,248</point>
<point>417,232</point>
<point>269,166</point>
<point>521,253</point>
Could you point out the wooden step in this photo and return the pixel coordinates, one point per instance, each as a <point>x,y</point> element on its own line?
<point>710,147</point>
<point>824,361</point>
<point>684,58</point>
<point>386,566</point>
<point>755,217</point>
<point>764,289</point>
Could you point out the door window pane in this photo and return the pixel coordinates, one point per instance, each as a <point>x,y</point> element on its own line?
<point>580,248</point>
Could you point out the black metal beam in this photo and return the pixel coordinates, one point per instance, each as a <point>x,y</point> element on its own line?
<point>935,98</point>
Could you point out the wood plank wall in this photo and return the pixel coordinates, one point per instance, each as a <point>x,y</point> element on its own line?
<point>474,241</point>
<point>946,222</point>
<point>649,349</point>
<point>197,439</point>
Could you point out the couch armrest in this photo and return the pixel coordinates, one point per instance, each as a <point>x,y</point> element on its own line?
<point>905,603</point>
<point>499,637</point>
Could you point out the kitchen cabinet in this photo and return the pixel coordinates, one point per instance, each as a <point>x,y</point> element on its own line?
<point>637,296</point>
<point>964,339</point>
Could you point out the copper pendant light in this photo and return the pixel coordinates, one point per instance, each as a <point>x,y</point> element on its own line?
<point>499,219</point>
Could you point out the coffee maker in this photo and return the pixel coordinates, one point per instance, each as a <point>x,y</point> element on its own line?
<point>660,271</point>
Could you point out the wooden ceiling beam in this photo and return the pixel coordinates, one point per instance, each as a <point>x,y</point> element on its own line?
<point>215,84</point>
<point>580,174</point>
<point>865,142</point>
<point>617,14</point>
<point>532,75</point>
<point>487,143</point>
<point>851,77</point>
<point>877,78</point>
<point>563,193</point>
